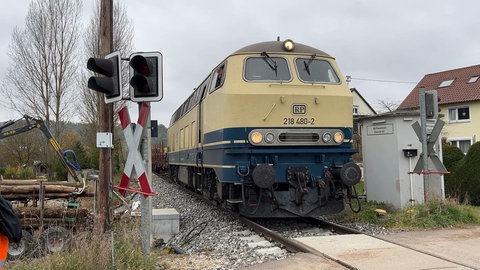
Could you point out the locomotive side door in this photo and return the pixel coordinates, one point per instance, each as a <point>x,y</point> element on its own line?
<point>199,159</point>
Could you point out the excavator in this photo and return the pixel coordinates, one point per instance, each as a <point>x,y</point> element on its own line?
<point>30,123</point>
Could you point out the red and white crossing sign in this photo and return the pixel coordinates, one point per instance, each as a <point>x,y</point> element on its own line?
<point>134,159</point>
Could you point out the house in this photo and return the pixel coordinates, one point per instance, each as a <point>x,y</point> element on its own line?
<point>360,105</point>
<point>459,103</point>
<point>361,108</point>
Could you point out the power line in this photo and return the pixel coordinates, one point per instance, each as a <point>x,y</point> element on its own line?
<point>350,78</point>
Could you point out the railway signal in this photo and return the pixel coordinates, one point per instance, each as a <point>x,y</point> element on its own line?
<point>111,82</point>
<point>146,81</point>
<point>431,104</point>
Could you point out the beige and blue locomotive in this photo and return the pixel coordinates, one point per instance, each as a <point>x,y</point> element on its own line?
<point>268,133</point>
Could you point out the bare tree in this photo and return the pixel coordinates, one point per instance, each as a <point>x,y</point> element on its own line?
<point>41,77</point>
<point>21,150</point>
<point>387,105</point>
<point>122,41</point>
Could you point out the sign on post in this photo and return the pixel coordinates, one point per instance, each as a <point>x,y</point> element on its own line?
<point>134,159</point>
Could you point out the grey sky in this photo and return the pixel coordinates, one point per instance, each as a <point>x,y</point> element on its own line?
<point>371,39</point>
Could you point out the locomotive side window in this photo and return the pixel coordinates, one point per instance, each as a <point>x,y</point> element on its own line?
<point>315,70</point>
<point>218,78</point>
<point>267,69</point>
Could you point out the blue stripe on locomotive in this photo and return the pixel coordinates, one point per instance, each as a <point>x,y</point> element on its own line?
<point>225,152</point>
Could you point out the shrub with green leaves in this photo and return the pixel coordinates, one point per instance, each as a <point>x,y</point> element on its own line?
<point>466,174</point>
<point>26,173</point>
<point>10,173</point>
<point>451,157</point>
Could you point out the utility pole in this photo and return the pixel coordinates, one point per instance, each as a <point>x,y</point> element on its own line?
<point>105,111</point>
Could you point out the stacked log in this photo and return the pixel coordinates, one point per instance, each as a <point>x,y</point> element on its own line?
<point>54,216</point>
<point>30,189</point>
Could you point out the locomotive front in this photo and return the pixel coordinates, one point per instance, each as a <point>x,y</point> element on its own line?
<point>290,102</point>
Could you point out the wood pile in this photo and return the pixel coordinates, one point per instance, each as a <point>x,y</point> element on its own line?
<point>49,212</point>
<point>31,189</point>
<point>31,217</point>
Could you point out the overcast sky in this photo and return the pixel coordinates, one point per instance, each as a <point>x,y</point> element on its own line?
<point>378,43</point>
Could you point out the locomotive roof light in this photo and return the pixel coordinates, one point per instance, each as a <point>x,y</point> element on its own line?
<point>256,137</point>
<point>288,45</point>
<point>269,137</point>
<point>326,137</point>
<point>338,137</point>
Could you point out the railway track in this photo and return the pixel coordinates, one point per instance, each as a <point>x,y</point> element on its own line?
<point>295,246</point>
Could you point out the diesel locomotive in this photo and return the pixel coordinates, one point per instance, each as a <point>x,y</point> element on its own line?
<point>268,133</point>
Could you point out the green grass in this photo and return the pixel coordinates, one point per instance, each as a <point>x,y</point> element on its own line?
<point>432,215</point>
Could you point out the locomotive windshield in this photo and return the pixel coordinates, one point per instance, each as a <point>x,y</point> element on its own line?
<point>315,70</point>
<point>267,69</point>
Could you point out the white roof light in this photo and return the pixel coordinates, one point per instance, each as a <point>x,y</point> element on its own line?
<point>446,83</point>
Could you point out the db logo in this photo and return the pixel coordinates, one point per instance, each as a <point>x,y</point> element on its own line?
<point>299,109</point>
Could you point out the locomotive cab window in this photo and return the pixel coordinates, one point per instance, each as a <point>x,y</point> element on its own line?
<point>267,69</point>
<point>316,71</point>
<point>218,78</point>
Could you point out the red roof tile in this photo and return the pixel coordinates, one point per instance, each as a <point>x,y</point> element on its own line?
<point>459,91</point>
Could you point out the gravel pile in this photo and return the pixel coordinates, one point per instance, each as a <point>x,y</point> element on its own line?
<point>211,237</point>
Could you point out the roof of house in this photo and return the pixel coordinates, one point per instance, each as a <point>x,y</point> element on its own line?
<point>361,97</point>
<point>453,86</point>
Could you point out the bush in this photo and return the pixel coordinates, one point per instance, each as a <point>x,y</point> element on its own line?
<point>451,156</point>
<point>466,174</point>
<point>26,173</point>
<point>18,173</point>
<point>10,173</point>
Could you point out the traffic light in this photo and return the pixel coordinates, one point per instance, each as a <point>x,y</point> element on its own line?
<point>111,82</point>
<point>146,82</point>
<point>431,104</point>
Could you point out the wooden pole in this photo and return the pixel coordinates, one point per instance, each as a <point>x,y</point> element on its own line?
<point>102,219</point>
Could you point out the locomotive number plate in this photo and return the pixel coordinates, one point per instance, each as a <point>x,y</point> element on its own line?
<point>298,121</point>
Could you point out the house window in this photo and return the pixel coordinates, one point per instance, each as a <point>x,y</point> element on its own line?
<point>446,83</point>
<point>473,79</point>
<point>355,109</point>
<point>460,114</point>
<point>462,144</point>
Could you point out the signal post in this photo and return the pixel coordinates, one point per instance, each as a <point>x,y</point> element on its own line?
<point>146,85</point>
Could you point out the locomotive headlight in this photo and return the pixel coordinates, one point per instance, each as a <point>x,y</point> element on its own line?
<point>256,137</point>
<point>288,45</point>
<point>326,137</point>
<point>338,137</point>
<point>269,137</point>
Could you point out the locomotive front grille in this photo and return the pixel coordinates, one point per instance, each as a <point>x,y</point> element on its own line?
<point>304,137</point>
